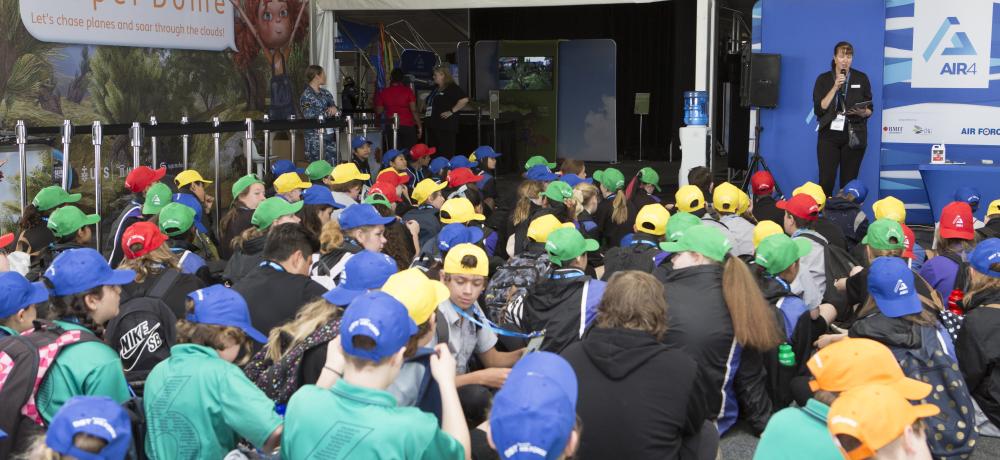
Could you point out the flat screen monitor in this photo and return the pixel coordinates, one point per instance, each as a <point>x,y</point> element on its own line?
<point>526,73</point>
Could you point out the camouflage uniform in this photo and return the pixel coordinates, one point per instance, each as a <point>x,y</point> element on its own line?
<point>313,105</point>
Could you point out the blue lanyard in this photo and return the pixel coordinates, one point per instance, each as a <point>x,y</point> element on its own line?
<point>783,283</point>
<point>273,265</point>
<point>566,276</point>
<point>646,242</point>
<point>485,323</point>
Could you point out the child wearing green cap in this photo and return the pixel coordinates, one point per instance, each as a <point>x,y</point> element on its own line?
<point>35,236</point>
<point>72,229</point>
<point>248,193</point>
<point>319,173</point>
<point>615,215</point>
<point>648,183</point>
<point>249,245</point>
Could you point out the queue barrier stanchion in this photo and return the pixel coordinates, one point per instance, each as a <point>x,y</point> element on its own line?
<point>395,130</point>
<point>267,148</point>
<point>22,156</point>
<point>184,142</point>
<point>67,137</point>
<point>96,134</point>
<point>336,143</point>
<point>152,143</point>
<point>291,141</point>
<point>135,133</point>
<point>216,135</point>
<point>322,142</point>
<point>349,133</point>
<point>248,146</point>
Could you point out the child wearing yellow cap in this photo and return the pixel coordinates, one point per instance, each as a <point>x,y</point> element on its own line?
<point>728,201</point>
<point>642,252</point>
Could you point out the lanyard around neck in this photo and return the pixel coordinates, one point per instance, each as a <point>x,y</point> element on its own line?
<point>485,323</point>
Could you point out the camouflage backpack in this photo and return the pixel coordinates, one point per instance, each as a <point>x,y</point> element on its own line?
<point>504,295</point>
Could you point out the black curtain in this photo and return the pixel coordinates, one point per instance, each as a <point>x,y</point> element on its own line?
<point>655,44</point>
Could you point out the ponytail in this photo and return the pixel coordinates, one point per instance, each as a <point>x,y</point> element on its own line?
<point>330,237</point>
<point>620,208</point>
<point>527,191</point>
<point>754,322</point>
<point>247,235</point>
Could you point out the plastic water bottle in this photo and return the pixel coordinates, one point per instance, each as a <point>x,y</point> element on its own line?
<point>786,356</point>
<point>694,108</point>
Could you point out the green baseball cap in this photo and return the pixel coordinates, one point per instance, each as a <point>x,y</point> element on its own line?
<point>157,196</point>
<point>175,219</point>
<point>649,176</point>
<point>611,178</point>
<point>377,198</point>
<point>680,222</point>
<point>881,232</point>
<point>778,252</point>
<point>707,241</point>
<point>319,169</point>
<point>68,219</point>
<point>52,196</point>
<point>538,160</point>
<point>242,183</point>
<point>567,244</point>
<point>558,191</point>
<point>271,209</point>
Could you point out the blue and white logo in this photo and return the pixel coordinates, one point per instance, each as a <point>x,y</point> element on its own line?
<point>951,44</point>
<point>961,45</point>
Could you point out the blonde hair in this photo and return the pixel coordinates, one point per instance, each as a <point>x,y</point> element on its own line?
<point>980,282</point>
<point>446,73</point>
<point>330,237</point>
<point>41,451</point>
<point>583,193</point>
<point>310,317</point>
<point>212,336</point>
<point>153,262</point>
<point>754,323</point>
<point>247,235</point>
<point>634,300</point>
<point>527,191</point>
<point>619,213</point>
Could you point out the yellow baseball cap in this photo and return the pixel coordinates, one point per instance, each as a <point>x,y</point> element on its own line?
<point>539,229</point>
<point>764,229</point>
<point>652,219</point>
<point>744,202</point>
<point>425,189</point>
<point>346,172</point>
<point>418,293</point>
<point>689,198</point>
<point>994,208</point>
<point>459,210</point>
<point>453,261</point>
<point>890,208</point>
<point>814,190</point>
<point>289,181</point>
<point>188,176</point>
<point>726,197</point>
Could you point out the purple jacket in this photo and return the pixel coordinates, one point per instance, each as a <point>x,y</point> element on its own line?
<point>940,272</point>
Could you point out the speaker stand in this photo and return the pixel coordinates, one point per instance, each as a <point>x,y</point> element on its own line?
<point>757,161</point>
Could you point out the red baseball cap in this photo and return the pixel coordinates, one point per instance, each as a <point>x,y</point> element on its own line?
<point>6,240</point>
<point>387,190</point>
<point>461,176</point>
<point>390,176</point>
<point>802,206</point>
<point>762,183</point>
<point>139,179</point>
<point>146,234</point>
<point>419,151</point>
<point>909,239</point>
<point>956,221</point>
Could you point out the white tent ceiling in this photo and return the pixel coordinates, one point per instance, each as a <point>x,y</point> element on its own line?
<point>453,4</point>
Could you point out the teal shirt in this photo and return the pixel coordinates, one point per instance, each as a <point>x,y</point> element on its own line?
<point>82,369</point>
<point>796,433</point>
<point>348,421</point>
<point>7,332</point>
<point>198,405</point>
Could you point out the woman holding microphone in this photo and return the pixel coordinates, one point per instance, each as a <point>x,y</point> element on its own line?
<point>842,102</point>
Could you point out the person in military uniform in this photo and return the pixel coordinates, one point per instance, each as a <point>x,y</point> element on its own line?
<point>316,101</point>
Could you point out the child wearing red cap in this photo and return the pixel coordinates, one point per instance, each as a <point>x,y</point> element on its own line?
<point>801,213</point>
<point>764,205</point>
<point>955,240</point>
<point>138,181</point>
<point>146,253</point>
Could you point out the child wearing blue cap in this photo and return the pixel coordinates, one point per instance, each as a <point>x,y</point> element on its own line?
<point>358,227</point>
<point>87,427</point>
<point>978,343</point>
<point>18,300</point>
<point>198,403</point>
<point>317,210</point>
<point>844,210</point>
<point>85,295</point>
<point>361,150</point>
<point>351,402</point>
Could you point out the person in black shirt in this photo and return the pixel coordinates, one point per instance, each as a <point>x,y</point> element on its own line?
<point>838,102</point>
<point>446,99</point>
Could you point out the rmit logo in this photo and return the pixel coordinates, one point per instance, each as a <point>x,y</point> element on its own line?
<point>960,46</point>
<point>892,129</point>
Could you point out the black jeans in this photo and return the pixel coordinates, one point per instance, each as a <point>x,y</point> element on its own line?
<point>832,153</point>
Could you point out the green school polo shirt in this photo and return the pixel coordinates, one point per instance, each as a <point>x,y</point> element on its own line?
<point>348,421</point>
<point>795,433</point>
<point>198,405</point>
<point>82,369</point>
<point>7,332</point>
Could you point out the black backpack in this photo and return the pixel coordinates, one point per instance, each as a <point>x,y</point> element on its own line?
<point>961,281</point>
<point>24,362</point>
<point>640,257</point>
<point>144,330</point>
<point>278,380</point>
<point>503,298</point>
<point>837,264</point>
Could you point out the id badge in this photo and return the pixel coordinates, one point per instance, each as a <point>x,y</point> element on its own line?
<point>838,123</point>
<point>427,112</point>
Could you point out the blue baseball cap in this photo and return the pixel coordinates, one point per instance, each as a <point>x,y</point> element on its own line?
<point>969,195</point>
<point>382,318</point>
<point>192,202</point>
<point>389,156</point>
<point>97,416</point>
<point>358,141</point>
<point>986,253</point>
<point>16,293</point>
<point>365,270</point>
<point>461,161</point>
<point>320,195</point>
<point>890,282</point>
<point>573,179</point>
<point>540,173</point>
<point>485,151</point>
<point>285,166</point>
<point>438,164</point>
<point>455,234</point>
<point>856,189</point>
<point>359,215</point>
<point>223,306</point>
<point>535,410</point>
<point>77,270</point>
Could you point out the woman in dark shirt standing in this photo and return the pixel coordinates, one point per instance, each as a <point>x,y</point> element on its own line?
<point>838,102</point>
<point>442,104</point>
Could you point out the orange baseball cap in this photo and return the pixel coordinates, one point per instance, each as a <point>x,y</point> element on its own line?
<point>854,362</point>
<point>874,414</point>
